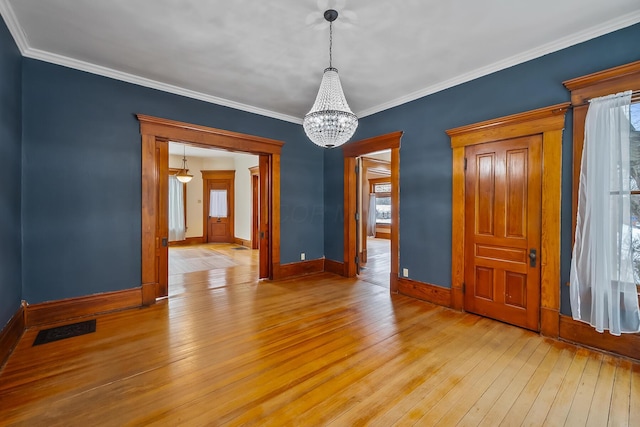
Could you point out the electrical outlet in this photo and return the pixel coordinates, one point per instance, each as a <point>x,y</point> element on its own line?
<point>405,272</point>
<point>302,256</point>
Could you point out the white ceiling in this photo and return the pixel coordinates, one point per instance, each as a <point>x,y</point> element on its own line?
<point>268,57</point>
<point>179,149</point>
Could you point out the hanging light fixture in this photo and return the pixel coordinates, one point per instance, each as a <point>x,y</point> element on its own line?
<point>330,122</point>
<point>183,175</point>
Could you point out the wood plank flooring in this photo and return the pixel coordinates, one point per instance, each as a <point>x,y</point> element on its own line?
<point>378,266</point>
<point>319,350</point>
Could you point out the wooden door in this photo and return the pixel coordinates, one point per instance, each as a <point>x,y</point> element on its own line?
<point>220,211</point>
<point>218,208</point>
<point>502,242</point>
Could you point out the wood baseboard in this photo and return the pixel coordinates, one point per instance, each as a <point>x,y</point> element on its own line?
<point>549,322</point>
<point>242,242</point>
<point>301,268</point>
<point>61,310</point>
<point>188,241</point>
<point>425,291</point>
<point>335,267</point>
<point>11,334</point>
<point>581,333</point>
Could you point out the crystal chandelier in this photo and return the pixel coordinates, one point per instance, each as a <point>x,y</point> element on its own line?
<point>330,122</point>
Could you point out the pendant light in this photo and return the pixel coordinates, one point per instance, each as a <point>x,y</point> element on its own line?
<point>330,123</point>
<point>183,175</point>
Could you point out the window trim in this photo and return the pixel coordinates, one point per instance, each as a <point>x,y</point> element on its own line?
<point>583,89</point>
<point>613,80</point>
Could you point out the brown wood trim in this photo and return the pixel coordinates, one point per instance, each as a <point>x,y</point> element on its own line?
<point>335,267</point>
<point>300,268</point>
<point>522,124</point>
<point>584,334</point>
<point>601,83</point>
<point>458,230</point>
<point>549,122</point>
<point>90,305</point>
<point>242,242</point>
<point>11,334</point>
<point>149,204</point>
<point>425,291</point>
<point>157,130</point>
<point>382,235</point>
<point>350,152</point>
<point>206,136</point>
<point>189,241</point>
<point>377,143</point>
<point>218,174</point>
<point>606,82</point>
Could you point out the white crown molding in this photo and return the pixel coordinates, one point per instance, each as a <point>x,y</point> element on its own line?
<point>141,81</point>
<point>21,40</point>
<point>13,25</point>
<point>576,38</point>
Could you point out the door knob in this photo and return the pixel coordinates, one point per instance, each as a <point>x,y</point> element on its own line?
<point>532,257</point>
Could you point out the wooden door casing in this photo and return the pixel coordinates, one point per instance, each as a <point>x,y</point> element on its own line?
<point>503,191</point>
<point>154,132</point>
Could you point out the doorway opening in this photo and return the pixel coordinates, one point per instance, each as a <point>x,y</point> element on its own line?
<point>211,218</point>
<point>156,134</point>
<point>364,162</point>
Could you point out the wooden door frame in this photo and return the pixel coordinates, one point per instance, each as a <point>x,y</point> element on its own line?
<point>255,207</point>
<point>356,149</point>
<point>548,122</point>
<point>218,175</point>
<point>155,134</point>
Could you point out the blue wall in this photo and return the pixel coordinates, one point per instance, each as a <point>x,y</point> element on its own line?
<point>425,154</point>
<point>81,172</point>
<point>10,153</point>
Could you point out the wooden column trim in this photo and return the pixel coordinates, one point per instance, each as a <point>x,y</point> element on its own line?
<point>549,122</point>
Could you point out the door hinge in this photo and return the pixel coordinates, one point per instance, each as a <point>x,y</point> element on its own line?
<point>357,169</point>
<point>165,242</point>
<point>357,216</point>
<point>465,163</point>
<point>357,260</point>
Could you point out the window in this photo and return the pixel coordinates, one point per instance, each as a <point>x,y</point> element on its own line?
<point>634,169</point>
<point>382,190</point>
<point>614,80</point>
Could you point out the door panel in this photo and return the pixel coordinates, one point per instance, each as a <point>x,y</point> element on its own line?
<point>220,211</point>
<point>503,196</point>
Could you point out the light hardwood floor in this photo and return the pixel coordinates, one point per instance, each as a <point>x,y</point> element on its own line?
<point>378,266</point>
<point>320,350</point>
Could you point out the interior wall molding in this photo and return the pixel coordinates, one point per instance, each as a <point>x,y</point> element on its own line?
<point>565,42</point>
<point>584,334</point>
<point>299,268</point>
<point>587,34</point>
<point>11,334</point>
<point>90,305</point>
<point>425,291</point>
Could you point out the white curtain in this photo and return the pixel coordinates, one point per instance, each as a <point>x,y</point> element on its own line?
<point>371,220</point>
<point>176,210</point>
<point>218,203</point>
<point>603,290</point>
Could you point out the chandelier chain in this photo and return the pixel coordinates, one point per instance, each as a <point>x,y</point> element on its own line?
<point>330,44</point>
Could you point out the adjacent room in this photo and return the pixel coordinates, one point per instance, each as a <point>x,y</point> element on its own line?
<point>326,212</point>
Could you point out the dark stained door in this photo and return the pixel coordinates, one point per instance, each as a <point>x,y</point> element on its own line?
<point>502,230</point>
